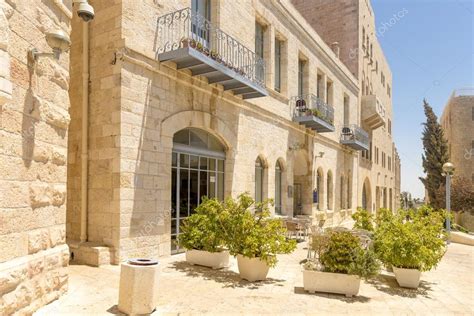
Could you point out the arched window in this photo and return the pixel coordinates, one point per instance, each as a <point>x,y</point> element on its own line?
<point>259,180</point>
<point>341,192</point>
<point>330,191</point>
<point>278,186</point>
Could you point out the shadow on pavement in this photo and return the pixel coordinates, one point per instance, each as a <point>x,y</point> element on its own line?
<point>388,284</point>
<point>339,297</point>
<point>228,278</point>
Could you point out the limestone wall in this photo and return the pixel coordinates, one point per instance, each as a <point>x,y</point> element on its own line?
<point>34,119</point>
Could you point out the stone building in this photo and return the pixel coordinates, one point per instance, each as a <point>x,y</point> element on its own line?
<point>355,42</point>
<point>169,101</point>
<point>457,121</point>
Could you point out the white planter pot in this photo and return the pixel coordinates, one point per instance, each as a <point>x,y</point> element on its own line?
<point>252,269</point>
<point>214,260</point>
<point>316,281</point>
<point>407,277</point>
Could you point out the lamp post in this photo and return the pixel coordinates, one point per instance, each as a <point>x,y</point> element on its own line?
<point>448,169</point>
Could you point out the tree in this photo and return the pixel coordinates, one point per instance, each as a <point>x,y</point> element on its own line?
<point>462,195</point>
<point>435,155</point>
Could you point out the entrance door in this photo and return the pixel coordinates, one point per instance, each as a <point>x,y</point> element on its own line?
<point>197,170</point>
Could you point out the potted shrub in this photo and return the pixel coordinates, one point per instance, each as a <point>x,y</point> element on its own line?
<point>411,242</point>
<point>342,260</point>
<point>254,237</point>
<point>203,236</point>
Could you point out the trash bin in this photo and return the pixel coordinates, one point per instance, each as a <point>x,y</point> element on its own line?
<point>138,291</point>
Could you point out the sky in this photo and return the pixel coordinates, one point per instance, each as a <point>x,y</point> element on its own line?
<point>429,47</point>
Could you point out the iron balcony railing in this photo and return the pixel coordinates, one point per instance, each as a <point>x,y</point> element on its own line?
<point>354,133</point>
<point>309,104</point>
<point>184,28</point>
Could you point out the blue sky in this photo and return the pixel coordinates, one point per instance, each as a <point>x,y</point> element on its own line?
<point>430,52</point>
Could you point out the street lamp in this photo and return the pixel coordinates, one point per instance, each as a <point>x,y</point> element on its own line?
<point>448,169</point>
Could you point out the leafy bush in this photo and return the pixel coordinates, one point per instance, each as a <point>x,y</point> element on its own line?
<point>254,235</point>
<point>383,215</point>
<point>203,230</point>
<point>412,239</point>
<point>345,254</point>
<point>363,219</point>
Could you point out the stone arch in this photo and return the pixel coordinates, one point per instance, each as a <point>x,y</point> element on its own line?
<point>280,185</point>
<point>320,187</point>
<point>261,178</point>
<point>198,119</point>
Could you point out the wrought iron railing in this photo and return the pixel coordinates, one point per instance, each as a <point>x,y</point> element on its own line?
<point>310,104</point>
<point>354,132</point>
<point>184,28</point>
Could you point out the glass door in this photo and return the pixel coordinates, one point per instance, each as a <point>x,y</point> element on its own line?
<point>193,177</point>
<point>201,27</point>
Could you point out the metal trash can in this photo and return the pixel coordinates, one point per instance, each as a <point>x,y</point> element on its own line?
<point>138,291</point>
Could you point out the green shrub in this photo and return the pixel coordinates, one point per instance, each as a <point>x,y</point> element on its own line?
<point>203,230</point>
<point>363,220</point>
<point>412,239</point>
<point>254,235</point>
<point>345,254</point>
<point>383,215</point>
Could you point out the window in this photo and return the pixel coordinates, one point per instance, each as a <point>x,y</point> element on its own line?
<point>202,8</point>
<point>376,67</point>
<point>278,185</point>
<point>319,83</point>
<point>389,90</point>
<point>258,180</point>
<point>389,123</point>
<point>389,163</point>
<point>370,151</point>
<point>330,191</point>
<point>472,114</point>
<point>346,110</point>
<point>349,197</point>
<point>371,51</point>
<point>278,45</point>
<point>329,90</point>
<point>363,37</point>
<point>301,64</point>
<point>259,39</point>
<point>382,79</point>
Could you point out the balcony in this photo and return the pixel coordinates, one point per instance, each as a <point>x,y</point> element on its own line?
<point>373,112</point>
<point>312,112</point>
<point>355,137</point>
<point>193,43</point>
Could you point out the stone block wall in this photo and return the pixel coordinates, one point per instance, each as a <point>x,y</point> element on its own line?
<point>34,118</point>
<point>103,127</point>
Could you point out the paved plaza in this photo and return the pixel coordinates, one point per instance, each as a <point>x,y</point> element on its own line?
<point>186,289</point>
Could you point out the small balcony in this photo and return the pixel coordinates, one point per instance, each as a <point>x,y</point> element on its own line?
<point>312,112</point>
<point>355,137</point>
<point>373,112</point>
<point>193,43</point>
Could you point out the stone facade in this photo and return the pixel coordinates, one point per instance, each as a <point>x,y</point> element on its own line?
<point>34,117</point>
<point>138,104</point>
<point>121,152</point>
<point>360,51</point>
<point>457,121</point>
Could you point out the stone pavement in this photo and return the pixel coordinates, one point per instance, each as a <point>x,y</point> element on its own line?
<point>186,289</point>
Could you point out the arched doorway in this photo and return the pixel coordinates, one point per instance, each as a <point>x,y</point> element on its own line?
<point>278,187</point>
<point>197,170</point>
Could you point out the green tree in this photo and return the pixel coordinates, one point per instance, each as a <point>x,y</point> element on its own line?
<point>462,195</point>
<point>435,155</point>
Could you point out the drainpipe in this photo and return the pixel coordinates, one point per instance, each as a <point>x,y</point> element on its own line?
<point>85,130</point>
